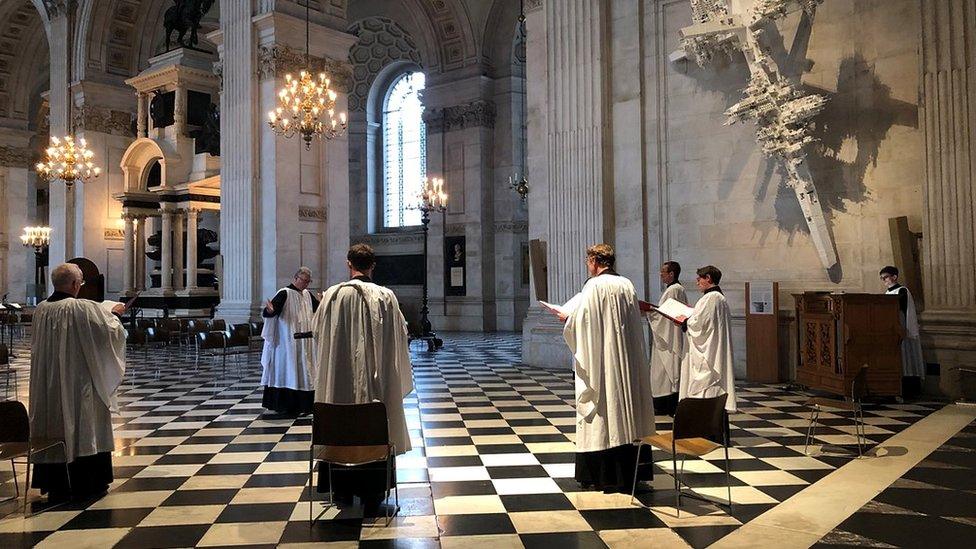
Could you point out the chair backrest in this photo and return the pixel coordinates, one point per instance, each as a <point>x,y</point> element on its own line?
<point>136,336</point>
<point>145,323</point>
<point>4,354</point>
<point>26,318</point>
<point>256,328</point>
<point>211,340</point>
<point>14,423</point>
<point>350,424</point>
<point>219,325</point>
<point>240,335</point>
<point>859,386</point>
<point>172,325</point>
<point>157,334</point>
<point>701,418</point>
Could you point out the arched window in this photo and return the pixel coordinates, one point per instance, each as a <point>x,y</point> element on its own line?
<point>404,150</point>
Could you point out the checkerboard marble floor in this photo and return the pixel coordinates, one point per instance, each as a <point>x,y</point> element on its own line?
<point>199,463</point>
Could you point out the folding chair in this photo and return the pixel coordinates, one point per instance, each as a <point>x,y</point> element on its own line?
<point>859,389</point>
<point>350,435</point>
<point>16,442</point>
<point>697,423</point>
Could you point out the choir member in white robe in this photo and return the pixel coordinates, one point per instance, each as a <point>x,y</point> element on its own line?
<point>668,344</point>
<point>912,363</point>
<point>706,370</point>
<point>77,364</point>
<point>605,332</point>
<point>362,355</point>
<point>287,362</point>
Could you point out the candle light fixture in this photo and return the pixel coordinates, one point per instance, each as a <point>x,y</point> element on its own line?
<point>69,160</point>
<point>432,198</point>
<point>306,105</point>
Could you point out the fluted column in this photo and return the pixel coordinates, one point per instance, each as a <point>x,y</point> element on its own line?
<point>237,173</point>
<point>129,263</point>
<point>575,104</point>
<point>191,248</point>
<point>948,101</point>
<point>179,110</point>
<point>178,249</point>
<point>947,107</point>
<point>140,259</point>
<point>60,201</point>
<point>166,255</point>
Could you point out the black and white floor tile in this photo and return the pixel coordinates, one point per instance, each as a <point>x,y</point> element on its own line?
<point>198,462</point>
<point>935,499</point>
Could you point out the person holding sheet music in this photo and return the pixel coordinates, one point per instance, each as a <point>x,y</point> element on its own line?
<point>668,344</point>
<point>613,383</point>
<point>706,370</point>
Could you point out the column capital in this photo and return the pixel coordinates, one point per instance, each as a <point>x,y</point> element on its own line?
<point>275,60</point>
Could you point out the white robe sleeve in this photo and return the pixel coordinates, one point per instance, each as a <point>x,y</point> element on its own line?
<point>102,340</point>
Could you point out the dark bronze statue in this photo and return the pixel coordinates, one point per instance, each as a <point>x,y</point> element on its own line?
<point>208,136</point>
<point>184,16</point>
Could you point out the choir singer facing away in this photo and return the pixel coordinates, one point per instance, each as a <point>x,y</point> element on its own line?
<point>604,330</point>
<point>362,355</point>
<point>77,364</point>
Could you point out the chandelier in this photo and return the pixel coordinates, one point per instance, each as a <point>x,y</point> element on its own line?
<point>69,161</point>
<point>36,237</point>
<point>306,105</point>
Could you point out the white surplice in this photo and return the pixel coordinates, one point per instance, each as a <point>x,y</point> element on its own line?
<point>362,353</point>
<point>288,362</point>
<point>912,362</point>
<point>77,364</point>
<point>706,370</point>
<point>668,347</point>
<point>613,382</point>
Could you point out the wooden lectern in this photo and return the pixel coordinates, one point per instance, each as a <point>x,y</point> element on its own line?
<point>838,333</point>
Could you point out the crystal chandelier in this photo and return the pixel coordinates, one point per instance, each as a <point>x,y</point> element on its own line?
<point>68,161</point>
<point>36,237</point>
<point>306,105</point>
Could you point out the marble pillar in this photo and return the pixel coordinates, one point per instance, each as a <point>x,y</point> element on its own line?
<point>128,251</point>
<point>61,248</point>
<point>166,252</point>
<point>238,176</point>
<point>178,269</point>
<point>948,101</point>
<point>566,72</point>
<point>191,248</point>
<point>140,115</point>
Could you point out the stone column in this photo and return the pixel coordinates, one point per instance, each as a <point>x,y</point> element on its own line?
<point>60,249</point>
<point>166,255</point>
<point>948,99</point>
<point>129,263</point>
<point>237,177</point>
<point>179,110</point>
<point>178,217</point>
<point>191,248</point>
<point>140,258</point>
<point>140,115</point>
<point>565,74</point>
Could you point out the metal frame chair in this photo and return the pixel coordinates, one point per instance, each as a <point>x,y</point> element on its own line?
<point>7,371</point>
<point>212,343</point>
<point>350,435</point>
<point>859,389</point>
<point>16,442</point>
<point>697,423</point>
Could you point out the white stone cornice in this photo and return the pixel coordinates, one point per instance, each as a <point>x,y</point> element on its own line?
<point>391,238</point>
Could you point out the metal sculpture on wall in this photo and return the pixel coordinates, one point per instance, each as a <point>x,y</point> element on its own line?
<point>781,110</point>
<point>182,17</point>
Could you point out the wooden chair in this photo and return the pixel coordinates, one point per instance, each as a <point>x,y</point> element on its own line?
<point>859,389</point>
<point>16,442</point>
<point>256,329</point>
<point>349,435</point>
<point>698,422</point>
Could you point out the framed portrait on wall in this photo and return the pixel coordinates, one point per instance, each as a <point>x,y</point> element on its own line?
<point>455,269</point>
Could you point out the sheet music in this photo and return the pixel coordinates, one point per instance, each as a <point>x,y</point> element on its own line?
<point>673,309</point>
<point>566,308</point>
